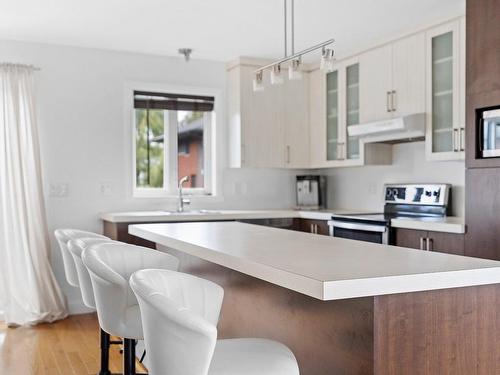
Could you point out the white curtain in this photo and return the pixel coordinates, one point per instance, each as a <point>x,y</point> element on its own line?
<point>30,293</point>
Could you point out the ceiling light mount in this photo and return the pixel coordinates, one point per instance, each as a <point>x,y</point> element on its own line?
<point>186,52</point>
<point>295,59</point>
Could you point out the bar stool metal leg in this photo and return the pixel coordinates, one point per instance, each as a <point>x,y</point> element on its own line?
<point>105,343</point>
<point>129,357</point>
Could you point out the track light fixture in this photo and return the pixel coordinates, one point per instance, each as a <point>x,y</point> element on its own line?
<point>294,61</point>
<point>258,85</point>
<point>327,60</point>
<point>294,72</point>
<point>276,76</point>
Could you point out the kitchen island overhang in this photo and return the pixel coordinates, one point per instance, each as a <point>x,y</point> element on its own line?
<point>345,306</point>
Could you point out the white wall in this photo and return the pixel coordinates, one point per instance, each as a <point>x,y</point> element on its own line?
<point>83,136</point>
<point>362,187</point>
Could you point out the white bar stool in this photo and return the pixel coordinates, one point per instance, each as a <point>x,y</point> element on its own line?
<point>63,236</point>
<point>76,248</point>
<point>110,266</point>
<point>179,317</point>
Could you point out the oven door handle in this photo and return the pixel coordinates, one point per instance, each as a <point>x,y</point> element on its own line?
<point>357,226</point>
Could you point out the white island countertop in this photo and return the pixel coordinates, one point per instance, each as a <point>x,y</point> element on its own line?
<point>322,267</point>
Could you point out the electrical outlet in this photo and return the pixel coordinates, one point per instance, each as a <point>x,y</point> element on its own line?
<point>59,190</point>
<point>106,189</point>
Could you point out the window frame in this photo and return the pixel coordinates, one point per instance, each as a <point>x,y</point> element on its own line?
<point>170,188</point>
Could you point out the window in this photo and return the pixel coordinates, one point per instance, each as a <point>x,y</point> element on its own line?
<point>172,139</point>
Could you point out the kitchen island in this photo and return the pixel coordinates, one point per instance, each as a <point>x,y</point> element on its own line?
<point>345,307</point>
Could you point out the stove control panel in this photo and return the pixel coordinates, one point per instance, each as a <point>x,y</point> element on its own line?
<point>417,194</point>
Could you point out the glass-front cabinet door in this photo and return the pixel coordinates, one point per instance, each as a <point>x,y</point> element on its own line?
<point>333,151</point>
<point>445,134</point>
<point>352,109</point>
<point>342,110</point>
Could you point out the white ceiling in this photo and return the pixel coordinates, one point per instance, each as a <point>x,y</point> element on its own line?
<point>217,29</point>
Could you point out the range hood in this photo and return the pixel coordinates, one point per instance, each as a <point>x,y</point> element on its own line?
<point>401,129</point>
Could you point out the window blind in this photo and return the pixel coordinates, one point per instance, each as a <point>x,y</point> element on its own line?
<point>177,102</point>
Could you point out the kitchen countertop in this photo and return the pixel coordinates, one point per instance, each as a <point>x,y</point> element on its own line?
<point>322,267</point>
<point>450,224</point>
<point>211,215</point>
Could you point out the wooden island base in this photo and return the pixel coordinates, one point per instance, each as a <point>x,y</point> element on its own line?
<point>449,331</point>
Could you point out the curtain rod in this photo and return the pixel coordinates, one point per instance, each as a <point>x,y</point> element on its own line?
<point>36,68</point>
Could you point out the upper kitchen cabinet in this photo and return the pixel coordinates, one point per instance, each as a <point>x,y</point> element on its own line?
<point>408,75</point>
<point>376,89</point>
<point>334,105</point>
<point>269,128</point>
<point>296,122</point>
<point>393,80</point>
<point>445,107</point>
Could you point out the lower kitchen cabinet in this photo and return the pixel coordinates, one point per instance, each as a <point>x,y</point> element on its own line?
<point>450,243</point>
<point>312,226</point>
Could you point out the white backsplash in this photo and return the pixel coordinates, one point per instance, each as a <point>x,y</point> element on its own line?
<point>362,187</point>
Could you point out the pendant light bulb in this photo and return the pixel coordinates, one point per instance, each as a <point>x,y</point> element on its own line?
<point>294,71</point>
<point>258,85</point>
<point>327,60</point>
<point>276,76</point>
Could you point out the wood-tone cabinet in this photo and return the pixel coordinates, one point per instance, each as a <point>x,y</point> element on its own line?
<point>445,104</point>
<point>450,243</point>
<point>312,226</point>
<point>269,128</point>
<point>393,79</point>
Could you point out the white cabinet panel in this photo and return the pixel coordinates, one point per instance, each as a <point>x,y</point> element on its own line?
<point>408,66</point>
<point>375,84</point>
<point>296,122</point>
<point>317,126</point>
<point>269,128</point>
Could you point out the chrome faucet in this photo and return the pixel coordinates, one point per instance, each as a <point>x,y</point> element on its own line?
<point>182,200</point>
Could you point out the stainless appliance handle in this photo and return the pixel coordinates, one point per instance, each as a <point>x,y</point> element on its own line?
<point>455,140</point>
<point>462,139</point>
<point>429,244</point>
<point>357,226</point>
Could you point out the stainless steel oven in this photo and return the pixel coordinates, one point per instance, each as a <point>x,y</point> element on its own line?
<point>363,228</point>
<point>401,200</point>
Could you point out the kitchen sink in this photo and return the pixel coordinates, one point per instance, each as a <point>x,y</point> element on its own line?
<point>189,212</point>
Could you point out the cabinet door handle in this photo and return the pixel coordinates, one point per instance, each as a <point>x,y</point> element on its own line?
<point>312,228</point>
<point>388,101</point>
<point>429,244</point>
<point>316,228</point>
<point>455,140</point>
<point>462,139</point>
<point>393,101</point>
<point>288,154</point>
<point>422,243</point>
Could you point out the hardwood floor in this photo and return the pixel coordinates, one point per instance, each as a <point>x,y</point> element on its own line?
<point>67,347</point>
